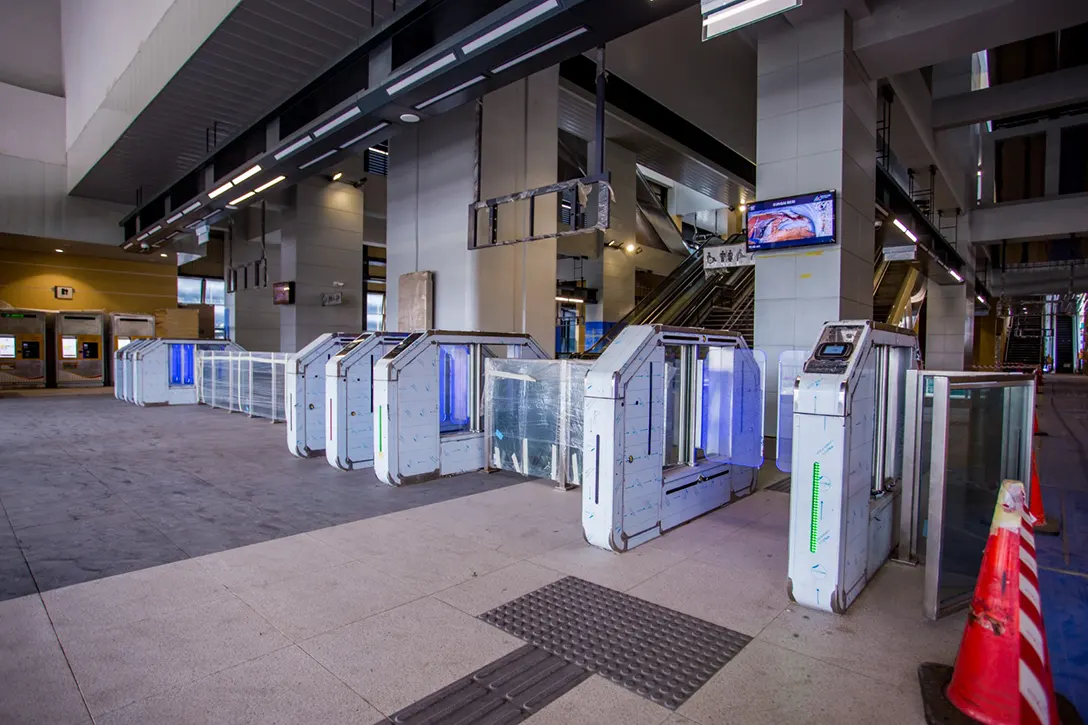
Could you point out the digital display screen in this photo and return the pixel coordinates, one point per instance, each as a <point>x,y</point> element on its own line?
<point>834,349</point>
<point>122,341</point>
<point>283,293</point>
<point>798,221</point>
<point>7,346</point>
<point>68,347</point>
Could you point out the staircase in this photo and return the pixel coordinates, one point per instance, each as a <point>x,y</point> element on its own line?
<point>1025,344</point>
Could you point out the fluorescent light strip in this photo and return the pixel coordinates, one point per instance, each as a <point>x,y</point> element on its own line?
<point>288,150</point>
<point>154,230</point>
<point>450,92</point>
<point>908,232</point>
<point>377,150</point>
<point>955,274</point>
<point>174,218</point>
<point>744,13</point>
<point>143,236</point>
<point>192,207</point>
<point>980,298</point>
<point>570,299</point>
<point>270,184</point>
<point>364,134</point>
<point>427,70</point>
<point>322,157</point>
<point>246,174</point>
<point>221,190</point>
<point>509,26</point>
<point>537,51</point>
<point>242,198</point>
<point>342,118</point>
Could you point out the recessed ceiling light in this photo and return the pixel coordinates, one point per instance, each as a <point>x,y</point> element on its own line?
<point>155,229</point>
<point>242,198</point>
<point>269,185</point>
<point>247,174</point>
<point>409,118</point>
<point>630,247</point>
<point>337,175</point>
<point>174,218</point>
<point>60,251</point>
<point>163,254</point>
<point>221,190</point>
<point>192,207</point>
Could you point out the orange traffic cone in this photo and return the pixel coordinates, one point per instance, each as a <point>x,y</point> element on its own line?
<point>1002,672</point>
<point>1052,527</point>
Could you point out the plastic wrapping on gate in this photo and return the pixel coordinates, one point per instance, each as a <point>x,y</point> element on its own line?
<point>533,412</point>
<point>244,382</point>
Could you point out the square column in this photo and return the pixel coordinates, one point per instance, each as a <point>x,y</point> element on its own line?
<point>815,131</point>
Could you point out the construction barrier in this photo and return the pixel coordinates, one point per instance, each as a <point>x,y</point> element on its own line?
<point>1002,672</point>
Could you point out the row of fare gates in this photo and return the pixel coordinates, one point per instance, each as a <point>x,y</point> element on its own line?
<point>886,461</point>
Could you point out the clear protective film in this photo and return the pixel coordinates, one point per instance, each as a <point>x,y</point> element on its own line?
<point>731,416</point>
<point>790,364</point>
<point>747,448</point>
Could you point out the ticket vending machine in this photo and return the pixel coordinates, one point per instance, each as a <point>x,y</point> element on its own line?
<point>349,397</point>
<point>849,406</point>
<point>125,329</point>
<point>22,349</point>
<point>305,399</point>
<point>79,354</point>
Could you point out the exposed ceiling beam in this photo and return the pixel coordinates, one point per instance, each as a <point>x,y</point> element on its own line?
<point>1031,95</point>
<point>910,34</point>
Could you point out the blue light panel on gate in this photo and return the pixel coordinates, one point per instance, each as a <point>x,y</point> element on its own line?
<point>181,365</point>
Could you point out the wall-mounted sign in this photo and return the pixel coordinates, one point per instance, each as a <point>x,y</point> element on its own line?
<point>331,299</point>
<point>726,255</point>
<point>64,293</point>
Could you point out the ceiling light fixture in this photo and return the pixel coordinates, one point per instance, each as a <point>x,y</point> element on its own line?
<point>231,207</point>
<point>364,134</point>
<point>337,175</point>
<point>322,157</point>
<point>377,150</point>
<point>735,14</point>
<point>342,118</point>
<point>268,185</point>
<point>192,207</point>
<point>509,26</point>
<point>743,208</point>
<point>242,198</point>
<point>143,236</point>
<point>980,298</point>
<point>409,118</point>
<point>174,218</point>
<point>163,254</point>
<point>221,190</point>
<point>288,150</point>
<point>450,92</point>
<point>955,274</point>
<point>575,300</point>
<point>537,51</point>
<point>252,171</point>
<point>154,230</point>
<point>901,227</point>
<point>630,247</point>
<point>424,72</point>
<point>59,251</point>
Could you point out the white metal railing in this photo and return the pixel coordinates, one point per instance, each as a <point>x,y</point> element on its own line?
<point>245,382</point>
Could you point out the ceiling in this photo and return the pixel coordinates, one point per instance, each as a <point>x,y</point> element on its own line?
<point>42,245</point>
<point>264,52</point>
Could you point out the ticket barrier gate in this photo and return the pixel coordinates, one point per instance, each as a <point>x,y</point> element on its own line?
<point>673,428</point>
<point>164,371</point>
<point>122,369</point>
<point>427,402</point>
<point>349,396</point>
<point>22,349</point>
<point>304,408</point>
<point>847,460</point>
<point>79,349</point>
<point>126,328</point>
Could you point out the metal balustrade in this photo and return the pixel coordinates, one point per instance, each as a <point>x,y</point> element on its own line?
<point>244,382</point>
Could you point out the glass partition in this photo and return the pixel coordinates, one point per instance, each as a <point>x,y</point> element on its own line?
<point>965,434</point>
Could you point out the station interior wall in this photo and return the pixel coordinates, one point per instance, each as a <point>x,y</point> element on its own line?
<point>27,280</point>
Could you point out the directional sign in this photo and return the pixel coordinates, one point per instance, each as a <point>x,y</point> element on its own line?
<point>726,255</point>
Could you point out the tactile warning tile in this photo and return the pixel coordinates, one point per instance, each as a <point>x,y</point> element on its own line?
<point>782,486</point>
<point>508,690</point>
<point>659,653</point>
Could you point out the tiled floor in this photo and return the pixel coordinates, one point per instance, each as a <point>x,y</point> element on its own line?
<point>91,487</point>
<point>352,622</point>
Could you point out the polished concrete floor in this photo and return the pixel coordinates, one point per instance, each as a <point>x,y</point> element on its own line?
<point>92,487</point>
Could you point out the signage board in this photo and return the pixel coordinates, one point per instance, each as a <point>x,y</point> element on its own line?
<point>725,256</point>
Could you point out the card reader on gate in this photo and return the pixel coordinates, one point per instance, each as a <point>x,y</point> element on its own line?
<point>830,357</point>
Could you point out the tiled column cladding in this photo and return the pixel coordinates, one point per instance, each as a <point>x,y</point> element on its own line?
<point>505,289</point>
<point>816,130</point>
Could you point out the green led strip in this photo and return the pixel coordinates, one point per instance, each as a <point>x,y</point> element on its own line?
<point>815,507</point>
<point>379,429</point>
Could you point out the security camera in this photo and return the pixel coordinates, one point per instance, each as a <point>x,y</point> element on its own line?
<point>145,245</point>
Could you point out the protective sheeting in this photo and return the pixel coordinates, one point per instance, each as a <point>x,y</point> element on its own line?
<point>244,382</point>
<point>534,410</point>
